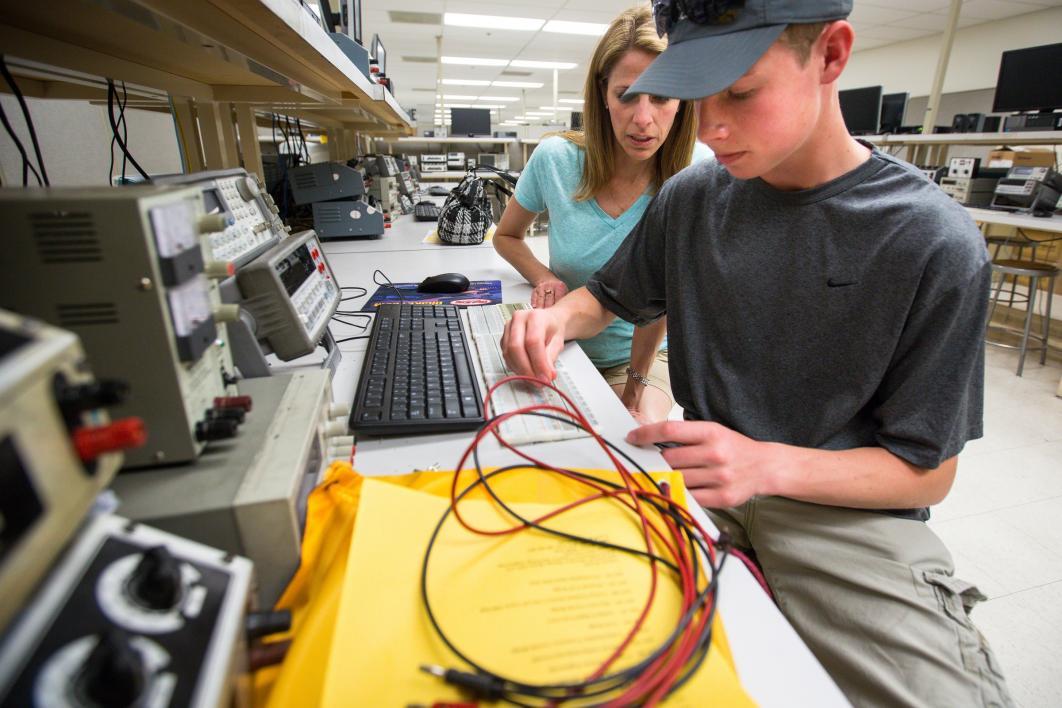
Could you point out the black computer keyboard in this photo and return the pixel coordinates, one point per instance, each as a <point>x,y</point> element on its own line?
<point>425,211</point>
<point>417,376</point>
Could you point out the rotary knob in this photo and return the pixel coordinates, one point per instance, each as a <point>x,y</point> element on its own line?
<point>156,580</point>
<point>114,673</point>
<point>248,188</point>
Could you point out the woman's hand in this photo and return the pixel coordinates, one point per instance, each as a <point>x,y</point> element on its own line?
<point>548,292</point>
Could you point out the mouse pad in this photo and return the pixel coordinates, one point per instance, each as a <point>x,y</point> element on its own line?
<point>480,292</point>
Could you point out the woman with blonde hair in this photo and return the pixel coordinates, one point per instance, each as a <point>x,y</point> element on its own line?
<point>596,184</point>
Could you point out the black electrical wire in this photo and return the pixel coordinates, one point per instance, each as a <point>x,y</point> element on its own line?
<point>509,689</point>
<point>112,94</point>
<point>302,139</point>
<point>124,124</point>
<point>361,327</point>
<point>125,136</point>
<point>26,165</point>
<point>348,339</point>
<point>29,121</point>
<point>389,284</point>
<point>363,292</point>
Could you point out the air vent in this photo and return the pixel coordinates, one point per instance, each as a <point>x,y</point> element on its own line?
<point>84,314</point>
<point>421,60</point>
<point>327,214</point>
<point>415,18</point>
<point>305,179</point>
<point>516,73</point>
<point>65,237</point>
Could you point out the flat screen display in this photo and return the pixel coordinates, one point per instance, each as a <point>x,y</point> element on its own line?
<point>1029,80</point>
<point>469,121</point>
<point>577,120</point>
<point>893,106</point>
<point>352,19</point>
<point>378,53</point>
<point>861,108</point>
<point>295,269</point>
<point>212,203</point>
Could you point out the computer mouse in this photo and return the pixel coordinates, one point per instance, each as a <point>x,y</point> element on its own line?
<point>1043,213</point>
<point>444,283</point>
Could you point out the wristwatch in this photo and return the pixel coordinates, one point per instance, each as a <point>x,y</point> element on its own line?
<point>631,373</point>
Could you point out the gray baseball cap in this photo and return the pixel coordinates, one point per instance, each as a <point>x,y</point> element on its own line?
<point>703,59</point>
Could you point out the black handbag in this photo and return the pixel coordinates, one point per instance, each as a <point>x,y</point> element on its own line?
<point>466,215</point>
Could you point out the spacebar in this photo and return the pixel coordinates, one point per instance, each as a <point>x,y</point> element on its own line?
<point>464,376</point>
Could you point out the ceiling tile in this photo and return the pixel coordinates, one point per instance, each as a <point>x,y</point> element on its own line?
<point>878,15</point>
<point>909,5</point>
<point>994,9</point>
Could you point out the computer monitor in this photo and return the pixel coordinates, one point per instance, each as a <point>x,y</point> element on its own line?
<point>469,121</point>
<point>328,18</point>
<point>1025,82</point>
<point>577,120</point>
<point>377,52</point>
<point>861,109</point>
<point>351,18</point>
<point>893,106</point>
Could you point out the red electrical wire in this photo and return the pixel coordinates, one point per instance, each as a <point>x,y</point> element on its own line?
<point>656,681</point>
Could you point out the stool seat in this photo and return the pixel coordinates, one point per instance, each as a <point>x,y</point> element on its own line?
<point>1014,266</point>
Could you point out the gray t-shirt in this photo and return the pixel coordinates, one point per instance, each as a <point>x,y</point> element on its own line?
<point>847,315</point>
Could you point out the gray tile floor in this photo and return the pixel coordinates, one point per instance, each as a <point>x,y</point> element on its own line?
<point>1003,523</point>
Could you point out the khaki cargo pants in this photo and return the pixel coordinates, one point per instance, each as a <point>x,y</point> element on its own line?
<point>875,598</point>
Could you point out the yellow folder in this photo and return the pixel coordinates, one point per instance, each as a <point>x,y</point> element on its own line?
<point>528,606</point>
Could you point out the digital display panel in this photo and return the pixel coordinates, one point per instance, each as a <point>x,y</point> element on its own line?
<point>212,202</point>
<point>295,269</point>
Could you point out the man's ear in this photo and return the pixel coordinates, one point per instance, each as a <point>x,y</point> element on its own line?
<point>834,49</point>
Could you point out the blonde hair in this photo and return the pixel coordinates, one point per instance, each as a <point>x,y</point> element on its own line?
<point>802,37</point>
<point>633,29</point>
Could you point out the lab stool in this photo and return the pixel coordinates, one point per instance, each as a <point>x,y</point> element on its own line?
<point>1034,271</point>
<point>1020,243</point>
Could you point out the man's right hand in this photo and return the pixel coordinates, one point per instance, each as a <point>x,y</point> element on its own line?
<point>532,341</point>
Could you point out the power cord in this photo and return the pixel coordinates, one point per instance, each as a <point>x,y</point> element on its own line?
<point>42,176</point>
<point>27,166</point>
<point>387,283</point>
<point>125,136</point>
<point>112,97</point>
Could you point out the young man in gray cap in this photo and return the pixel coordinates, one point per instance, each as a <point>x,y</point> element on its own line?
<point>825,310</point>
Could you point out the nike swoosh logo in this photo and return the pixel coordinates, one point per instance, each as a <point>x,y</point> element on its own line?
<point>830,282</point>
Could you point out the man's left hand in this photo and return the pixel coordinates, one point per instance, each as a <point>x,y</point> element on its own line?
<point>722,468</point>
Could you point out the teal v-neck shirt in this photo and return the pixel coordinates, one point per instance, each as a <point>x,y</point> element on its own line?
<point>582,237</point>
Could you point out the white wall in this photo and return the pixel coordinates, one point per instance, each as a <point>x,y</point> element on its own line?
<point>974,63</point>
<point>75,137</point>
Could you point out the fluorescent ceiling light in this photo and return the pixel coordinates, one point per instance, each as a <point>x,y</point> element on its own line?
<point>517,84</point>
<point>533,64</point>
<point>554,108</point>
<point>505,99</point>
<point>524,24</point>
<point>578,101</point>
<point>452,97</point>
<point>593,29</point>
<point>458,105</point>
<point>473,61</point>
<point>464,82</point>
<point>490,105</point>
<point>539,114</point>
